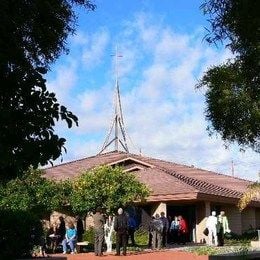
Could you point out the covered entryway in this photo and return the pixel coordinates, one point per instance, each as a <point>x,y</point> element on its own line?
<point>188,212</point>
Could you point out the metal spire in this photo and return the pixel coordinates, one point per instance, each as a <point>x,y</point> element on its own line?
<point>118,122</point>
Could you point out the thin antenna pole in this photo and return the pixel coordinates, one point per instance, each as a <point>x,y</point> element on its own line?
<point>232,168</point>
<point>116,105</point>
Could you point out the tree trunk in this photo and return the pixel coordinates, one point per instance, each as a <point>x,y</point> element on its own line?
<point>109,228</point>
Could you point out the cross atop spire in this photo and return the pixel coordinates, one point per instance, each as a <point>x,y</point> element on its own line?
<point>117,127</point>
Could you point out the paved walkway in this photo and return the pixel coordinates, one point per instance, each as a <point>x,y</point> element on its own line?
<point>162,255</point>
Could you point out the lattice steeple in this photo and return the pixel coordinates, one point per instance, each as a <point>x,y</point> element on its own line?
<point>117,132</point>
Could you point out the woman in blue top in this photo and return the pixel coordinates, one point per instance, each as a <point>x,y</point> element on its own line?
<point>70,238</point>
<point>174,230</point>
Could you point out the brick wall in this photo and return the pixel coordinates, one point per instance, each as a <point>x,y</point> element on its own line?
<point>257,216</point>
<point>234,218</point>
<point>248,218</point>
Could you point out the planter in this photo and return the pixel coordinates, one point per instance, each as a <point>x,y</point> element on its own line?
<point>255,244</point>
<point>249,255</point>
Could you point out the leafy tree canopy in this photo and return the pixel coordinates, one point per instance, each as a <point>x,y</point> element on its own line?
<point>34,193</point>
<point>106,187</point>
<point>233,89</point>
<point>252,193</point>
<point>33,35</point>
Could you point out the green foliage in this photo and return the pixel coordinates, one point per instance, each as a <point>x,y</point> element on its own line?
<point>252,193</point>
<point>106,187</point>
<point>233,88</point>
<point>141,237</point>
<point>20,231</point>
<point>204,250</point>
<point>89,235</point>
<point>244,238</point>
<point>240,250</point>
<point>32,192</point>
<point>33,35</point>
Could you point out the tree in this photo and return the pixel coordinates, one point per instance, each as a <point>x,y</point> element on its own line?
<point>33,35</point>
<point>24,202</point>
<point>252,193</point>
<point>233,88</point>
<point>33,193</point>
<point>106,187</point>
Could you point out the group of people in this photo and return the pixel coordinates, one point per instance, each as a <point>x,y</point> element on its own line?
<point>216,228</point>
<point>124,226</point>
<point>163,230</point>
<point>66,234</point>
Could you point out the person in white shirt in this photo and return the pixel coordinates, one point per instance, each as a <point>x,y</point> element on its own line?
<point>211,224</point>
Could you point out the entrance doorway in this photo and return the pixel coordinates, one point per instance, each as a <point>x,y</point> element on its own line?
<point>188,212</point>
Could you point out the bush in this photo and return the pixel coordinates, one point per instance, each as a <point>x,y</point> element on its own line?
<point>20,232</point>
<point>245,238</point>
<point>141,237</point>
<point>204,250</point>
<point>89,235</point>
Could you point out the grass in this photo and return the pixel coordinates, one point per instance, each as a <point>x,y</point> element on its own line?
<point>241,250</point>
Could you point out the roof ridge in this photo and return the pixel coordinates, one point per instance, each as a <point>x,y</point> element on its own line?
<point>84,158</point>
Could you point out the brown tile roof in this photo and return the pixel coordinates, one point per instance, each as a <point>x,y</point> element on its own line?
<point>165,179</point>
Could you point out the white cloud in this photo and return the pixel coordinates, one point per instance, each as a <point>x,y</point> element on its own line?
<point>65,79</point>
<point>93,53</point>
<point>164,114</point>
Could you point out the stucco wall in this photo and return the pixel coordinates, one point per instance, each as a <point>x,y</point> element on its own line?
<point>55,216</point>
<point>201,222</point>
<point>158,208</point>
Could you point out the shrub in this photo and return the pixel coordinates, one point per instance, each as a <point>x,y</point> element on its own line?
<point>204,250</point>
<point>89,235</point>
<point>244,238</point>
<point>141,237</point>
<point>20,231</point>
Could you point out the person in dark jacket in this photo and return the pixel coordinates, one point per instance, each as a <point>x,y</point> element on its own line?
<point>121,226</point>
<point>150,230</point>
<point>157,231</point>
<point>165,222</point>
<point>132,225</point>
<point>99,222</point>
<point>80,228</point>
<point>61,230</point>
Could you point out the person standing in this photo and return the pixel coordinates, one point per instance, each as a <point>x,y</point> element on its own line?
<point>150,230</point>
<point>131,229</point>
<point>174,229</point>
<point>222,228</point>
<point>121,227</point>
<point>157,231</point>
<point>99,233</point>
<point>183,230</point>
<point>80,228</point>
<point>211,224</point>
<point>165,229</point>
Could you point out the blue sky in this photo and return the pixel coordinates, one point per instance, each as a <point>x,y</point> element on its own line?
<point>163,57</point>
